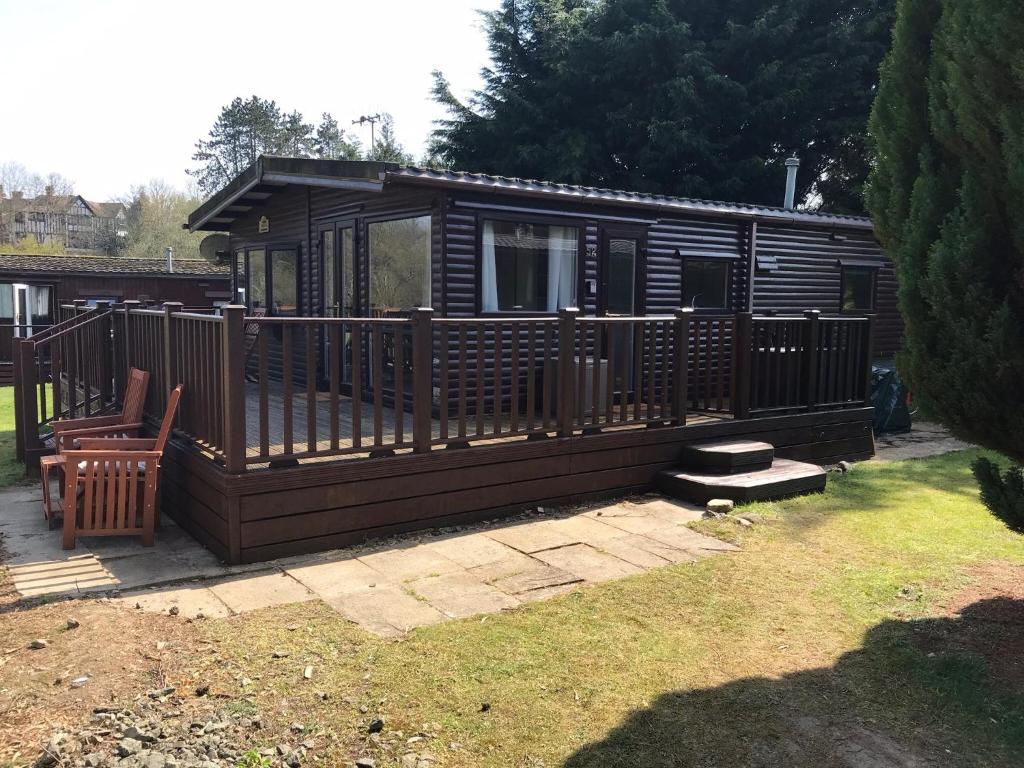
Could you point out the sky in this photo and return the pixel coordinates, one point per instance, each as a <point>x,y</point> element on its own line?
<point>111,93</point>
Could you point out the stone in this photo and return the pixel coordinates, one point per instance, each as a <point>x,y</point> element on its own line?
<point>153,760</point>
<point>410,760</point>
<point>307,673</point>
<point>375,726</point>
<point>38,644</point>
<point>280,654</point>
<point>203,689</point>
<point>132,732</point>
<point>744,522</point>
<point>720,506</point>
<point>73,624</point>
<point>173,610</point>
<point>161,692</point>
<point>129,746</point>
<point>93,760</point>
<point>366,762</point>
<point>78,682</point>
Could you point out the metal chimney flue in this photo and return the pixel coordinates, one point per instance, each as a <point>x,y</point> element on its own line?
<point>792,166</point>
<point>169,255</point>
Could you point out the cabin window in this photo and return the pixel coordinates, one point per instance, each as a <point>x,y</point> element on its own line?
<point>858,289</point>
<point>327,265</point>
<point>528,267</point>
<point>399,264</point>
<point>240,276</point>
<point>256,283</point>
<point>284,282</point>
<point>6,301</point>
<point>706,283</point>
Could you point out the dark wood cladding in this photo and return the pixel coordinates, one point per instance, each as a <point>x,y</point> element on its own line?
<point>270,513</point>
<point>809,270</point>
<point>190,290</point>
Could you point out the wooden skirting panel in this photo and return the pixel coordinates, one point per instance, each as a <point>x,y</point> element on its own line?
<point>268,513</point>
<point>6,374</point>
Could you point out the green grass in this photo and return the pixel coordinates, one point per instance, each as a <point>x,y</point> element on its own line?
<point>827,634</point>
<point>11,470</point>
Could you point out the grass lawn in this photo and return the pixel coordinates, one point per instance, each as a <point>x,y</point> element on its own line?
<point>882,618</point>
<point>11,472</point>
<point>879,624</point>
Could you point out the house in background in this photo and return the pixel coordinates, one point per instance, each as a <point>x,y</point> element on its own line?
<point>70,220</point>
<point>33,286</point>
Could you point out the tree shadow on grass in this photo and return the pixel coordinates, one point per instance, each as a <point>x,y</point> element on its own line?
<point>931,692</point>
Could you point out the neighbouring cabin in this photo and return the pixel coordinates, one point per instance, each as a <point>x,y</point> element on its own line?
<point>33,287</point>
<point>413,348</point>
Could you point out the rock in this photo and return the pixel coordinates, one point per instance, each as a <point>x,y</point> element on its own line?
<point>129,746</point>
<point>307,673</point>
<point>203,689</point>
<point>74,624</point>
<point>153,760</point>
<point>38,644</point>
<point>161,692</point>
<point>93,760</point>
<point>744,522</point>
<point>174,610</point>
<point>132,732</point>
<point>410,760</point>
<point>293,759</point>
<point>160,645</point>
<point>366,762</point>
<point>485,707</point>
<point>292,627</point>
<point>375,726</point>
<point>78,682</point>
<point>297,727</point>
<point>280,654</point>
<point>720,506</point>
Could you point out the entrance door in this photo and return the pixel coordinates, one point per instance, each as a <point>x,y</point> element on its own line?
<point>337,253</point>
<point>619,270</point>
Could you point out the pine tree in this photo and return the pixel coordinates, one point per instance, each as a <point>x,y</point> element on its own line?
<point>947,194</point>
<point>244,130</point>
<point>704,98</point>
<point>296,136</point>
<point>386,147</point>
<point>332,143</point>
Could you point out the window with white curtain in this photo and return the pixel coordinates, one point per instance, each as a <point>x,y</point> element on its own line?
<point>528,267</point>
<point>6,301</point>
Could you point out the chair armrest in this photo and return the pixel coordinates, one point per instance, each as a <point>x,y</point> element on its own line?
<point>67,437</point>
<point>88,422</point>
<point>115,444</point>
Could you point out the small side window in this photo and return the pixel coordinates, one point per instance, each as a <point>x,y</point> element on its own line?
<point>858,289</point>
<point>706,283</point>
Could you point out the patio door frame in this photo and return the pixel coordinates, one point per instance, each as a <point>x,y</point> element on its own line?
<point>606,234</point>
<point>337,260</point>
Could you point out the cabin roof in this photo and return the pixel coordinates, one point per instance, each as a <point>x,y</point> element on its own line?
<point>78,264</point>
<point>269,174</point>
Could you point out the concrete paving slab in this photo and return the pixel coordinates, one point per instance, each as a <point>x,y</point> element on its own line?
<point>470,550</point>
<point>653,547</point>
<point>458,595</point>
<point>331,578</point>
<point>634,518</point>
<point>534,536</point>
<point>587,563</point>
<point>629,551</point>
<point>252,591</point>
<point>386,610</point>
<point>514,562</point>
<point>537,595</point>
<point>690,541</point>
<point>406,563</point>
<point>540,576</point>
<point>583,530</point>
<point>191,600</point>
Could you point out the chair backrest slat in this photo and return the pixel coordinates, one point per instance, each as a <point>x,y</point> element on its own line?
<point>167,423</point>
<point>135,396</point>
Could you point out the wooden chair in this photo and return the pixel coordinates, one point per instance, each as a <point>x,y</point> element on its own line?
<point>68,432</point>
<point>110,483</point>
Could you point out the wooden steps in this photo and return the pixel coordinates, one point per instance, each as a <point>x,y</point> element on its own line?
<point>743,471</point>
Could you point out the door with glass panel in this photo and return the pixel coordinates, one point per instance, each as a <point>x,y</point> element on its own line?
<point>619,269</point>
<point>338,289</point>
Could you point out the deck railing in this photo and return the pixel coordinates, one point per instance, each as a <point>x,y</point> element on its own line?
<point>274,391</point>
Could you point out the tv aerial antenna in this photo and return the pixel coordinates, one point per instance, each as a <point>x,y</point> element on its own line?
<point>372,120</point>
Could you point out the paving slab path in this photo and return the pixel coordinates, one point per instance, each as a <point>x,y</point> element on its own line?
<point>391,586</point>
<point>388,587</point>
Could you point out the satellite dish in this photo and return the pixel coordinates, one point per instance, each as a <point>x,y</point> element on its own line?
<point>215,248</point>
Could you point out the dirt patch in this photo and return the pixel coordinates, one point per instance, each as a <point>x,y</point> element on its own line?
<point>990,622</point>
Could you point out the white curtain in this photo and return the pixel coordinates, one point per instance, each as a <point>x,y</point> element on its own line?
<point>41,301</point>
<point>561,267</point>
<point>489,271</point>
<point>6,301</point>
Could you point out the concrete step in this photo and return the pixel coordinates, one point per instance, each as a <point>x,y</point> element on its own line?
<point>728,456</point>
<point>783,478</point>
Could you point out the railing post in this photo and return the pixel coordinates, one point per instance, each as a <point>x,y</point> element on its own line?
<point>170,347</point>
<point>106,366</point>
<point>811,340</point>
<point>741,352</point>
<point>869,355</point>
<point>681,365</point>
<point>117,336</point>
<point>233,386</point>
<point>19,385</point>
<point>422,378</point>
<point>566,408</point>
<point>128,347</point>
<point>29,405</point>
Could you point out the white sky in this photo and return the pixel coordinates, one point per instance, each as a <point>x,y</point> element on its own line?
<point>112,93</point>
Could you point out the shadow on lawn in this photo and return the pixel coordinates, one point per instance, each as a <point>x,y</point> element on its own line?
<point>931,692</point>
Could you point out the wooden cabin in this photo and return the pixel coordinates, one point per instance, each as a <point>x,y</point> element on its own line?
<point>32,287</point>
<point>415,348</point>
